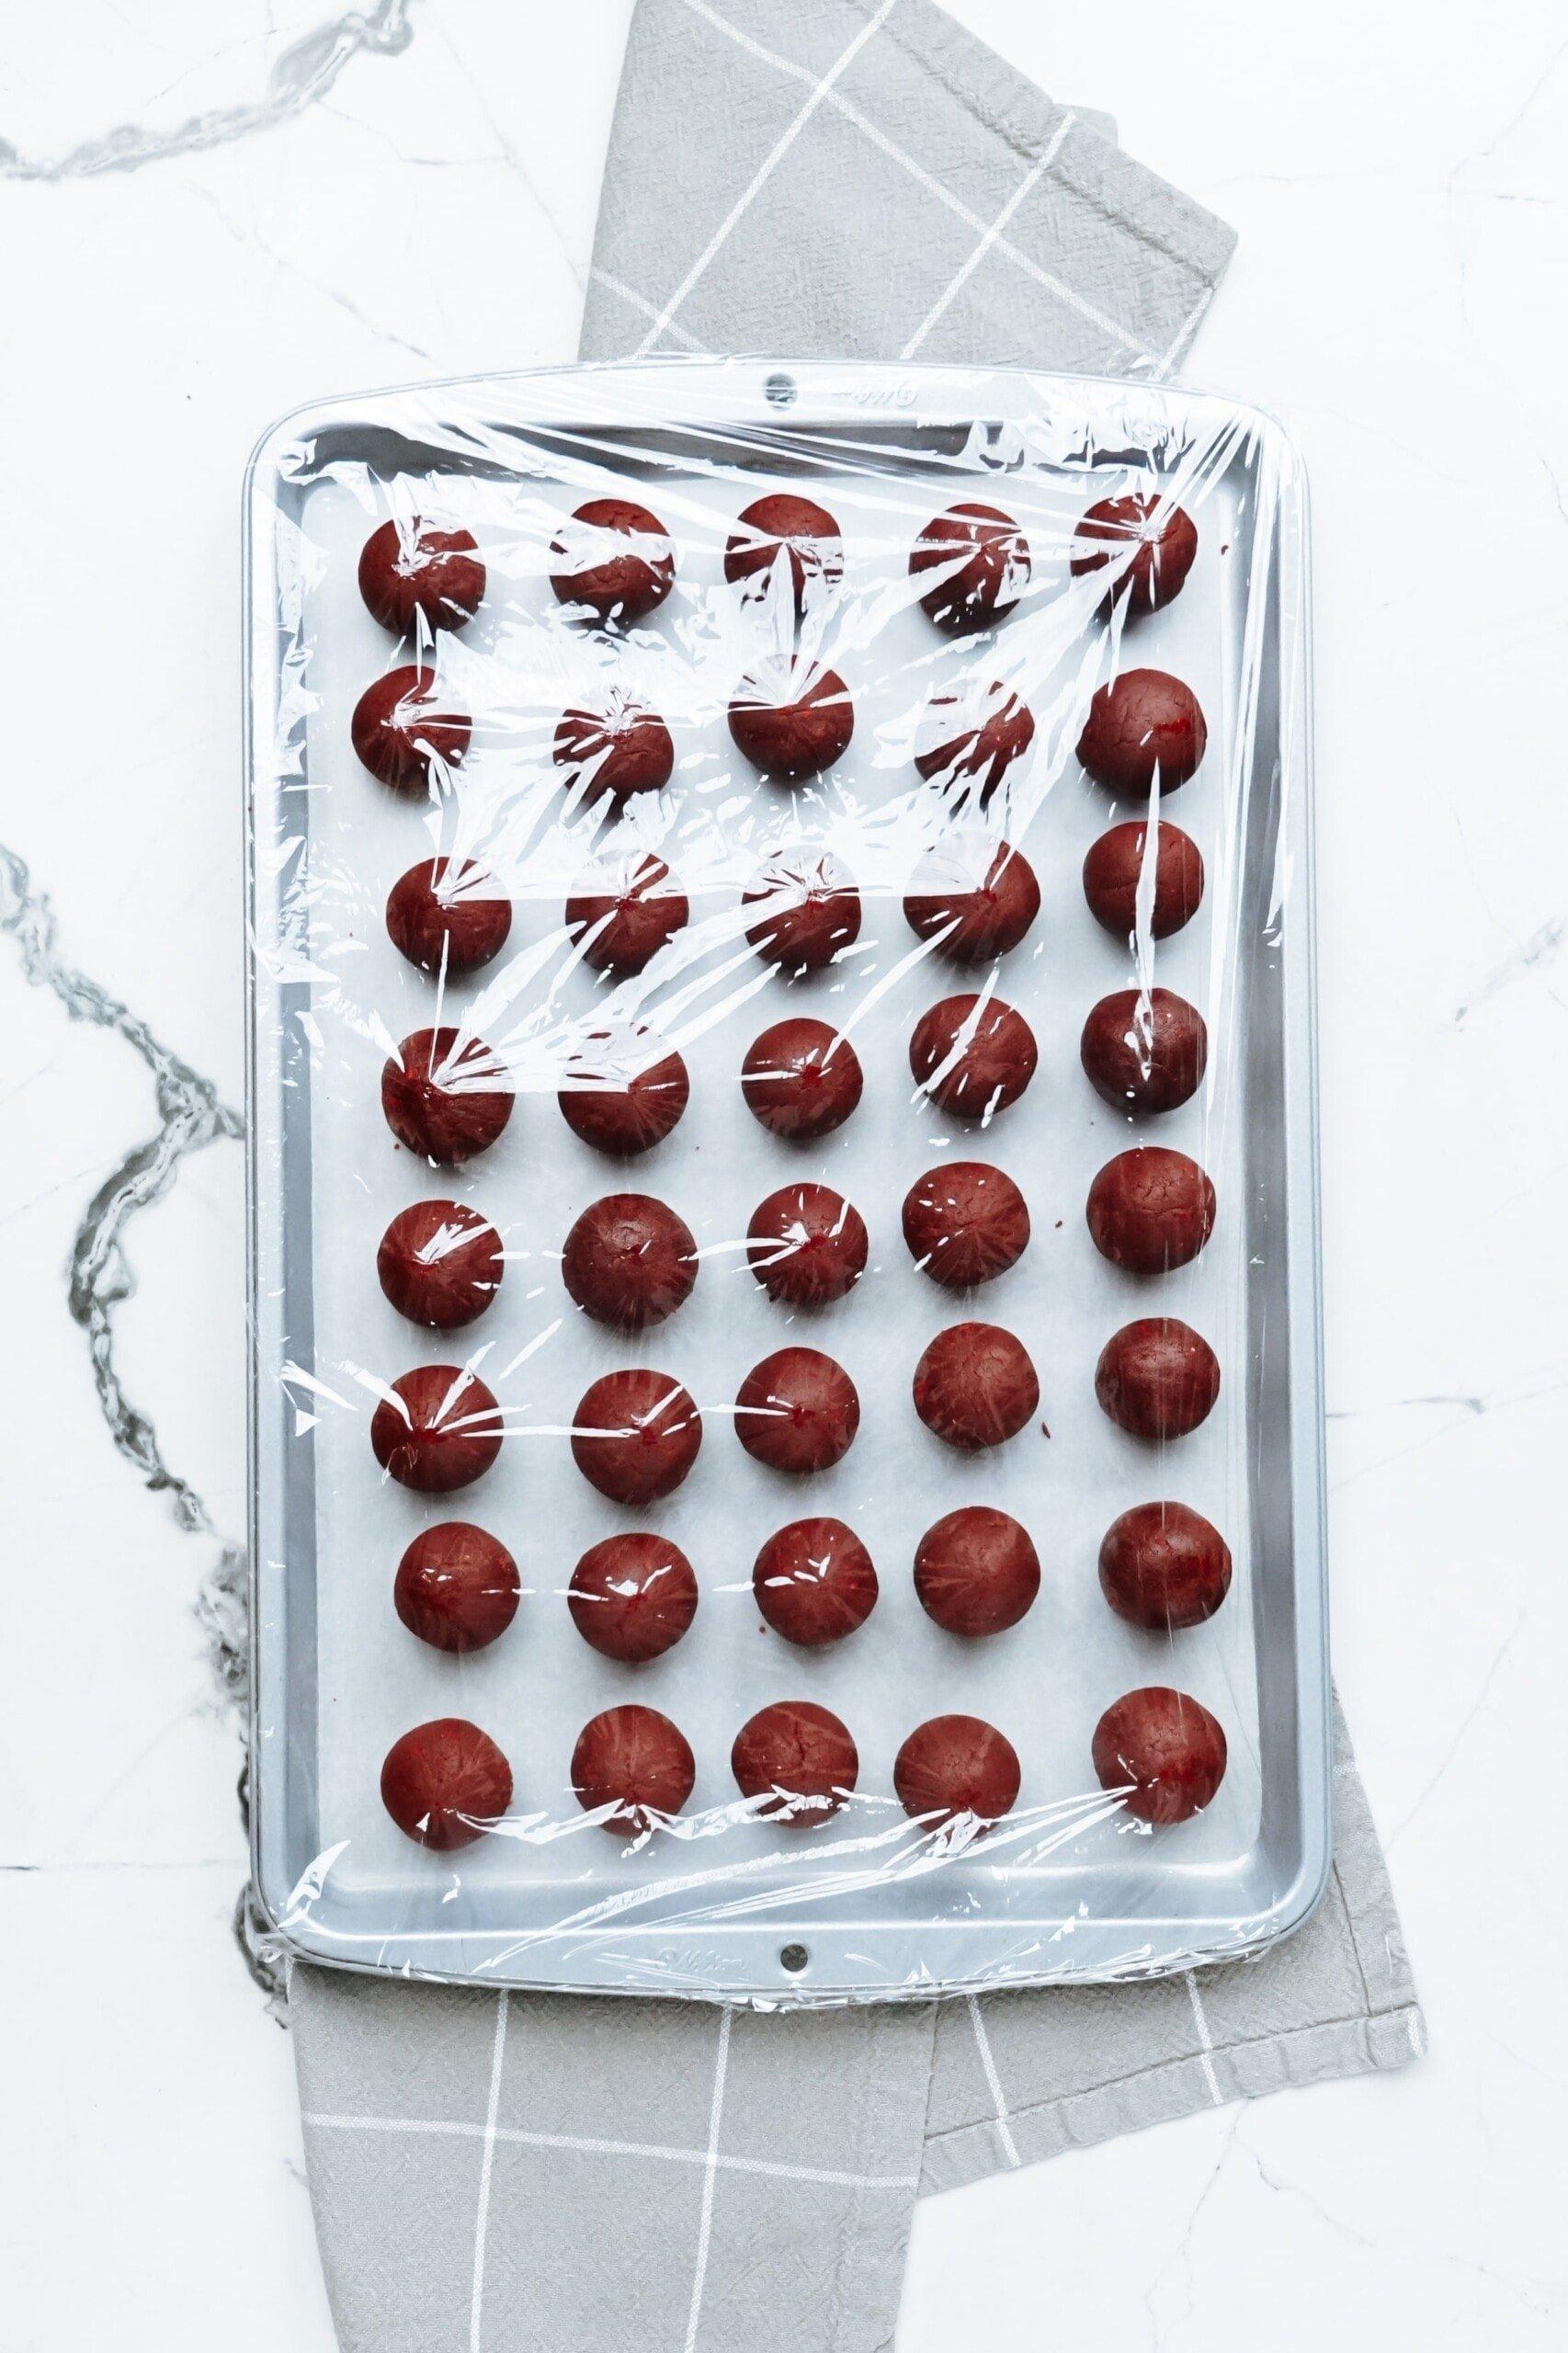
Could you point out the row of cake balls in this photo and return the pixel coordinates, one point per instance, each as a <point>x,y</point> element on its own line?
<point>636,1432</point>
<point>974,899</point>
<point>446,1783</point>
<point>444,1095</point>
<point>633,1596</point>
<point>794,722</point>
<point>613,562</point>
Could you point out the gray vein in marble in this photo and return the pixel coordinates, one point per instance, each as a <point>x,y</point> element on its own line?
<point>289,267</point>
<point>1475,1709</point>
<point>1538,950</point>
<point>300,75</point>
<point>191,1117</point>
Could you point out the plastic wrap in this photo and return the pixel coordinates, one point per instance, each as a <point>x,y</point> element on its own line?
<point>690,784</point>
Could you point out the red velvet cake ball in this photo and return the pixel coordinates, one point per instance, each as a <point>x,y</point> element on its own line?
<point>632,1597</point>
<point>625,915</point>
<point>442,918</point>
<point>1114,866</point>
<point>964,1222</point>
<point>970,737</point>
<point>975,1386</point>
<point>976,562</point>
<point>456,1588</point>
<point>1157,1379</point>
<point>1150,1209</point>
<point>403,723</point>
<point>440,1263</point>
<point>635,1435</point>
<point>408,568</point>
<point>440,1098</point>
<point>1144,1051</point>
<point>621,1100</point>
<point>443,1432</point>
<point>796,1411</point>
<point>800,1080</point>
<point>446,1783</point>
<point>636,1760</point>
<point>800,1758</point>
<point>1144,722</point>
<point>1145,545</point>
<point>1169,1748</point>
<point>630,1261</point>
<point>783,529</point>
<point>956,1768</point>
<point>973,1055</point>
<point>814,1582</point>
<point>615,558</point>
<point>616,751</point>
<point>806,1245</point>
<point>1164,1567</point>
<point>809,910</point>
<point>793,724</point>
<point>976,1572</point>
<point>976,897</point>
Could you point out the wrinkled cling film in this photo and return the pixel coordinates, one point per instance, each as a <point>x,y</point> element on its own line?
<point>786,1415</point>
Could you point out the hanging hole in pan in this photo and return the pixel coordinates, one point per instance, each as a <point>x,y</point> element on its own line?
<point>781,390</point>
<point>794,1958</point>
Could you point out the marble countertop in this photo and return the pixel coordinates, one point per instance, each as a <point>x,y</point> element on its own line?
<point>215,209</point>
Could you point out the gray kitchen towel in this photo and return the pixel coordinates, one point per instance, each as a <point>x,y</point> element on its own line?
<point>594,2176</point>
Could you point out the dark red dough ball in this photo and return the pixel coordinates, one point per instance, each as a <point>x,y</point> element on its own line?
<point>636,1760</point>
<point>1164,1567</point>
<point>402,723</point>
<point>976,899</point>
<point>1157,1378</point>
<point>979,562</point>
<point>1145,1052</point>
<point>1172,1750</point>
<point>785,525</point>
<point>632,1597</point>
<point>617,583</point>
<point>1143,720</point>
<point>624,925</point>
<point>635,1435</point>
<point>801,1080</point>
<point>800,1758</point>
<point>444,1434</point>
<point>792,726</point>
<point>630,1261</point>
<point>617,751</point>
<point>956,1767</point>
<point>964,1222</point>
<point>1146,542</point>
<point>624,1121</point>
<point>446,1783</point>
<point>975,1386</point>
<point>796,1411</point>
<point>972,1055</point>
<point>976,1572</point>
<point>806,1245</point>
<point>1150,1209</point>
<point>456,1588</point>
<point>970,739</point>
<point>814,1582</point>
<point>440,1263</point>
<point>438,1098</point>
<point>812,910</point>
<point>1110,880</point>
<point>440,919</point>
<point>413,568</point>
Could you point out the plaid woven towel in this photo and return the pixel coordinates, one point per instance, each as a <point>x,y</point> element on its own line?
<point>582,2175</point>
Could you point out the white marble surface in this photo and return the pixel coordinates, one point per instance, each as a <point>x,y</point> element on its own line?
<point>412,193</point>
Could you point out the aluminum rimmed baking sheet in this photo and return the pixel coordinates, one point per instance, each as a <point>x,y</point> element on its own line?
<point>1068,1888</point>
